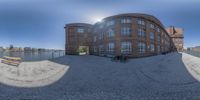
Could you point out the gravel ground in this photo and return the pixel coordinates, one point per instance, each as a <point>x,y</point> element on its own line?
<point>163,77</point>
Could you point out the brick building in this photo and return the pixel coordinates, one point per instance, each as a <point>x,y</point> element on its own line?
<point>176,35</point>
<point>77,38</point>
<point>133,35</point>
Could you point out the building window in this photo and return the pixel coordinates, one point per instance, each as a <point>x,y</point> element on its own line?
<point>126,20</point>
<point>95,49</point>
<point>111,33</point>
<point>126,47</point>
<point>95,38</point>
<point>158,29</point>
<point>100,36</point>
<point>162,48</point>
<point>141,32</point>
<point>152,48</point>
<point>126,31</point>
<point>109,23</point>
<point>158,48</point>
<point>162,34</point>
<point>151,35</point>
<point>158,38</point>
<point>166,43</point>
<point>140,22</point>
<point>152,26</point>
<point>141,47</point>
<point>80,30</point>
<point>95,29</point>
<point>111,47</point>
<point>101,49</point>
<point>101,26</point>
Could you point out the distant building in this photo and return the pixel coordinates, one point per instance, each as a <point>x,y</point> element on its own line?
<point>41,50</point>
<point>1,49</point>
<point>15,49</point>
<point>197,48</point>
<point>34,50</point>
<point>177,37</point>
<point>21,49</point>
<point>11,47</point>
<point>27,49</point>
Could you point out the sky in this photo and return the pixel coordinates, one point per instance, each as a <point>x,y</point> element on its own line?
<point>40,23</point>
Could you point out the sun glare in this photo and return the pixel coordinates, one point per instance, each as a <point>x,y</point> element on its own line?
<point>98,19</point>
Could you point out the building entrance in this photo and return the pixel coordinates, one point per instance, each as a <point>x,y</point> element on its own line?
<point>83,50</point>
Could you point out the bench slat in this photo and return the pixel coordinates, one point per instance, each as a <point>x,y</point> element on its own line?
<point>11,60</point>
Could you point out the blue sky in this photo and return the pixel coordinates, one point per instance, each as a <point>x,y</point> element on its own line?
<point>39,23</point>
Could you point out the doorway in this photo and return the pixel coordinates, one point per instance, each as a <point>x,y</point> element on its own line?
<point>83,50</point>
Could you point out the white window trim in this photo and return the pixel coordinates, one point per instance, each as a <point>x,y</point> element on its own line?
<point>126,47</point>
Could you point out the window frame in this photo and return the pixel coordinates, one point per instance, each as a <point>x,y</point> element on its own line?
<point>125,20</point>
<point>141,47</point>
<point>152,47</point>
<point>141,32</point>
<point>126,47</point>
<point>126,31</point>
<point>152,35</point>
<point>140,22</point>
<point>111,33</point>
<point>80,30</point>
<point>111,47</point>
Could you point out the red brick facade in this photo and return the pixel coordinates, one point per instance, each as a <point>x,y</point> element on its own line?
<point>77,34</point>
<point>133,35</point>
<point>176,35</point>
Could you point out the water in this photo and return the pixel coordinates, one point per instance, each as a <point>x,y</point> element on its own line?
<point>194,53</point>
<point>33,56</point>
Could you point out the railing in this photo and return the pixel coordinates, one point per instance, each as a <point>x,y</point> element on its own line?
<point>33,56</point>
<point>194,53</point>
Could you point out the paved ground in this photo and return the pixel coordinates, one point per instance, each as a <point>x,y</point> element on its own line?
<point>164,77</point>
<point>32,74</point>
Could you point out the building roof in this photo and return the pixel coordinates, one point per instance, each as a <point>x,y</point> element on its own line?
<point>139,15</point>
<point>175,32</point>
<point>78,24</point>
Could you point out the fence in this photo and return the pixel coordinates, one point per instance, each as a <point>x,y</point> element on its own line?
<point>34,56</point>
<point>194,53</point>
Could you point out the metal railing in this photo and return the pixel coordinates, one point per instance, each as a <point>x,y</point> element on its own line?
<point>194,53</point>
<point>34,56</point>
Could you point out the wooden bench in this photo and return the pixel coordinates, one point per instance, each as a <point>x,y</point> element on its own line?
<point>15,61</point>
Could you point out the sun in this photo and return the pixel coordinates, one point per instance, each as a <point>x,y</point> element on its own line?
<point>98,19</point>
